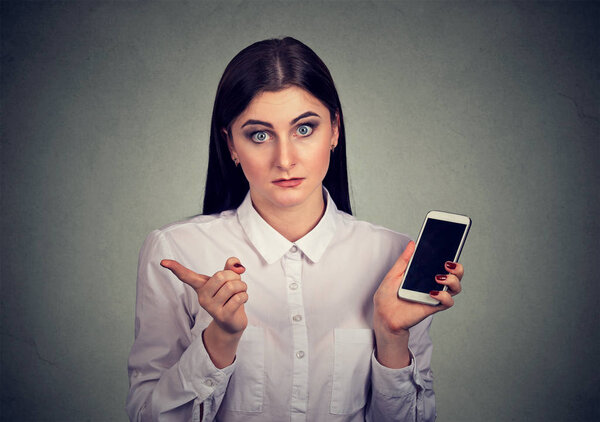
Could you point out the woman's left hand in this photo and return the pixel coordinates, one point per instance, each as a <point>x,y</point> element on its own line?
<point>393,316</point>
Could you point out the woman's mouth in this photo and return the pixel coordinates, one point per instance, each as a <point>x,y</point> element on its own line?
<point>288,183</point>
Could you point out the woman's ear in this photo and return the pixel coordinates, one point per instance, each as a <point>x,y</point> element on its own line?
<point>231,147</point>
<point>335,130</point>
<point>229,140</point>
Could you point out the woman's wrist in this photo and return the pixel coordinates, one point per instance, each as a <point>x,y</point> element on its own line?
<point>220,345</point>
<point>391,349</point>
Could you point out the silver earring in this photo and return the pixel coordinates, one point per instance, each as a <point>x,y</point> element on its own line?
<point>235,160</point>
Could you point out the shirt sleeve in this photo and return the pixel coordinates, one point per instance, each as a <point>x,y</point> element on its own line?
<point>405,394</point>
<point>170,373</point>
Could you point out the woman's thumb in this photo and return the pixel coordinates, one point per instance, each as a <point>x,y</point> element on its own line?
<point>234,265</point>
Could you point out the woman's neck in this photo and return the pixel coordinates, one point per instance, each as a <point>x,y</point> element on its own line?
<point>295,222</point>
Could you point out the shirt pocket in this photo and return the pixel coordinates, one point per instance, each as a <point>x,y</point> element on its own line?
<point>351,370</point>
<point>246,386</point>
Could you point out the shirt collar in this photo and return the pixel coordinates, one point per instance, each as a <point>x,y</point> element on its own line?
<point>272,245</point>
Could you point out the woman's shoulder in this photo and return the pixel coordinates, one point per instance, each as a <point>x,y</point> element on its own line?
<point>194,225</point>
<point>198,221</point>
<point>368,231</point>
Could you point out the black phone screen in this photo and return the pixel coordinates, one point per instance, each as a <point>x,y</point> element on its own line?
<point>439,243</point>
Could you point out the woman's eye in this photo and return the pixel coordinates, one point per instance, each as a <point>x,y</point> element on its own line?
<point>260,137</point>
<point>304,130</point>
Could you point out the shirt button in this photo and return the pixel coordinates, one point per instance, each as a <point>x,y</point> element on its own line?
<point>208,382</point>
<point>294,249</point>
<point>299,354</point>
<point>297,318</point>
<point>293,286</point>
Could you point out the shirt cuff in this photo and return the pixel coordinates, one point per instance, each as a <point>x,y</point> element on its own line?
<point>394,382</point>
<point>199,374</point>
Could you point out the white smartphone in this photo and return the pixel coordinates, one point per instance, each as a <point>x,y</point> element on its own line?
<point>441,239</point>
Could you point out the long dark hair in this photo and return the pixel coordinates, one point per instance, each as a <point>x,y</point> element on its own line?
<point>269,65</point>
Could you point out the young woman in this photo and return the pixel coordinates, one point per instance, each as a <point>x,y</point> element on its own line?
<point>276,304</point>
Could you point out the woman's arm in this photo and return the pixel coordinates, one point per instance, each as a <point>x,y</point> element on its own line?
<point>401,336</point>
<point>172,374</point>
<point>405,394</point>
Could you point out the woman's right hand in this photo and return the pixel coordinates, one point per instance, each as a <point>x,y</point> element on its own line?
<point>223,296</point>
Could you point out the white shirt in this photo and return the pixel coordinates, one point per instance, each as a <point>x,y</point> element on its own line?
<point>307,353</point>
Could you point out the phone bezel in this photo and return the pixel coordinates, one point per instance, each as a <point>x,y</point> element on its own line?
<point>421,297</point>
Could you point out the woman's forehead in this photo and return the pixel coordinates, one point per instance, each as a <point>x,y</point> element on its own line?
<point>282,106</point>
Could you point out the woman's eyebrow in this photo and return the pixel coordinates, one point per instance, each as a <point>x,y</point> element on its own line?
<point>257,122</point>
<point>269,125</point>
<point>303,115</point>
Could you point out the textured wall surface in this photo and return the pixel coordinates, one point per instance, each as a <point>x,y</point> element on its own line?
<point>484,108</point>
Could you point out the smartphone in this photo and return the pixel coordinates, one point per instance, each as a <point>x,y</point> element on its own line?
<point>441,239</point>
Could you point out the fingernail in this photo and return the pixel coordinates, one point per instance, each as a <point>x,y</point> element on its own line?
<point>238,265</point>
<point>434,293</point>
<point>450,265</point>
<point>440,277</point>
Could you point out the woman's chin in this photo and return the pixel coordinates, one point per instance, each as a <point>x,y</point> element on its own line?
<point>289,199</point>
<point>286,199</point>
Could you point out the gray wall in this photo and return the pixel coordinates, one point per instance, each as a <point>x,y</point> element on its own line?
<point>489,109</point>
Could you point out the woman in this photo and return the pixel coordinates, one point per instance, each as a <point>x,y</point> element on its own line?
<point>275,304</point>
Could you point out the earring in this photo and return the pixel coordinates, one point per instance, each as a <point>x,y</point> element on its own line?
<point>236,161</point>
<point>332,147</point>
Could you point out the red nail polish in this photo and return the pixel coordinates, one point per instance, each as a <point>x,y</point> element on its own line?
<point>434,293</point>
<point>451,265</point>
<point>440,277</point>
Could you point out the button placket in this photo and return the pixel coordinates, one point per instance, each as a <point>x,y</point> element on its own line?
<point>293,271</point>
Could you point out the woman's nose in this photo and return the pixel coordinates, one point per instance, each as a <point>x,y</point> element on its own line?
<point>285,155</point>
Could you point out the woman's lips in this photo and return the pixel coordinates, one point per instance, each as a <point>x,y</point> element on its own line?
<point>288,183</point>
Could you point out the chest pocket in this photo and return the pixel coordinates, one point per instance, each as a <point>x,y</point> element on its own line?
<point>351,370</point>
<point>247,383</point>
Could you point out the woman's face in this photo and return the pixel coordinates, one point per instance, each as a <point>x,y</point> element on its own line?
<point>283,141</point>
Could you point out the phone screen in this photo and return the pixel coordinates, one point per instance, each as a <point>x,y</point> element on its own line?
<point>438,243</point>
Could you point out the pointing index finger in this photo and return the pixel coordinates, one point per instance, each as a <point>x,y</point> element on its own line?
<point>184,274</point>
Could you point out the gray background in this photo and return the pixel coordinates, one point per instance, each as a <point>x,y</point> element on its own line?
<point>489,109</point>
